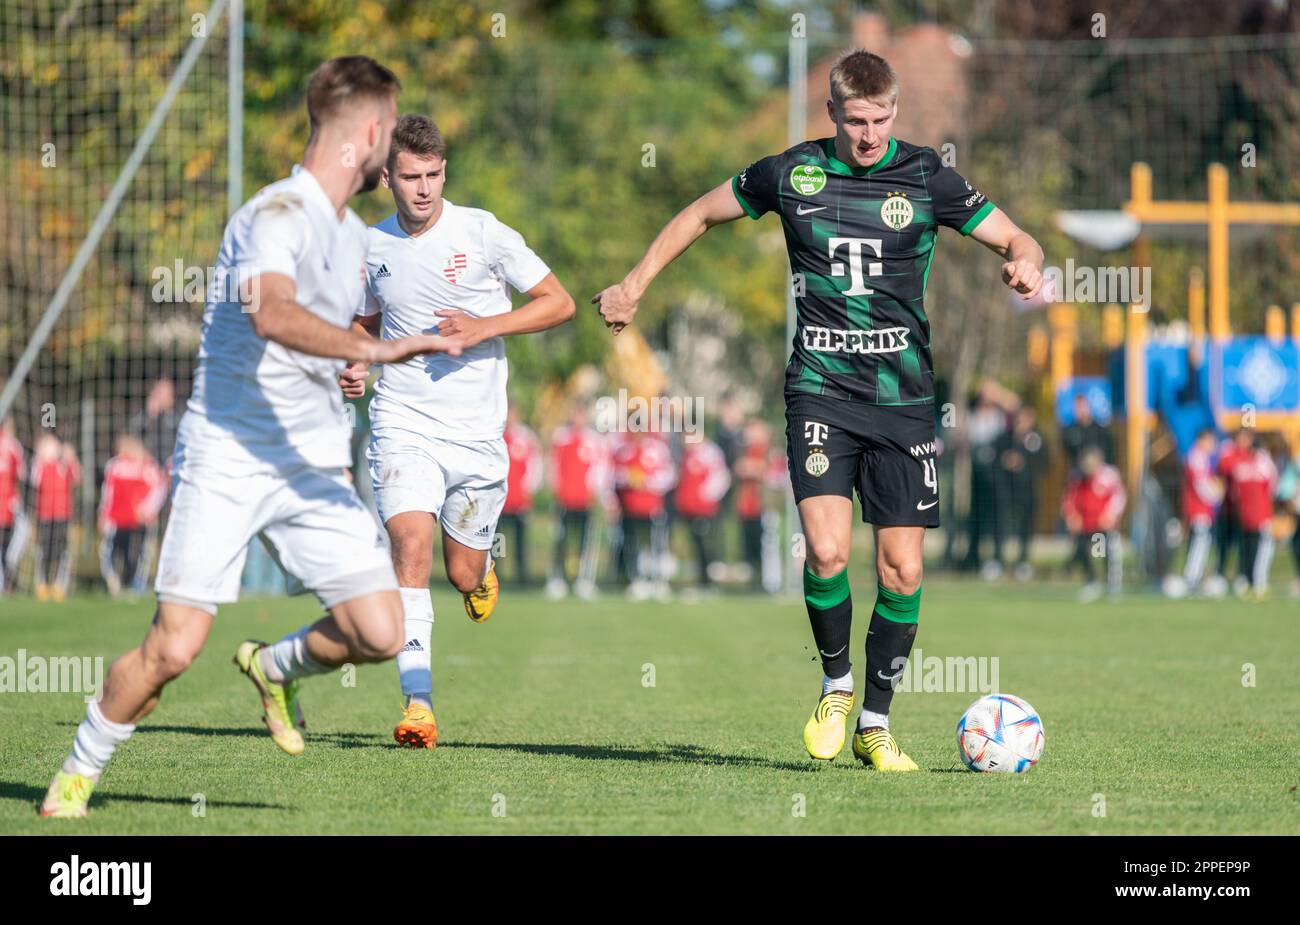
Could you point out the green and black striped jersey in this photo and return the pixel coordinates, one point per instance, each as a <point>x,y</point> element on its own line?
<point>861,241</point>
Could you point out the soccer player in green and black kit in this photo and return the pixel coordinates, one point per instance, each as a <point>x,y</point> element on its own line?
<point>861,212</point>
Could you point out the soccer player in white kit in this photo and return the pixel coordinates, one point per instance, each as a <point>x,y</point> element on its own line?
<point>436,450</point>
<point>263,446</point>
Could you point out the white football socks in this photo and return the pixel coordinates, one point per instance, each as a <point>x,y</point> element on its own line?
<point>414,662</point>
<point>97,739</point>
<point>288,659</point>
<point>869,719</point>
<point>844,684</point>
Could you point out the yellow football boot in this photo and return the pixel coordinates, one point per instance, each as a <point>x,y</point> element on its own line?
<point>280,708</point>
<point>823,734</point>
<point>68,795</point>
<point>480,602</point>
<point>876,748</point>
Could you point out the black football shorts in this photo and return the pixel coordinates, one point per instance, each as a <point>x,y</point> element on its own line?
<point>886,452</point>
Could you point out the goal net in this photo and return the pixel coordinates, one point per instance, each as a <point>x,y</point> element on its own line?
<point>80,83</point>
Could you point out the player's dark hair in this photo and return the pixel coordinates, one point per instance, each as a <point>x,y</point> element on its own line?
<point>340,82</point>
<point>860,75</point>
<point>417,134</point>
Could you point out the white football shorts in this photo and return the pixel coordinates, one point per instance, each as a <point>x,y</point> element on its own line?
<point>463,484</point>
<point>311,519</point>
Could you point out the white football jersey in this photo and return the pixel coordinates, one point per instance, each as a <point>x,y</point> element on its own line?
<point>280,405</point>
<point>465,261</point>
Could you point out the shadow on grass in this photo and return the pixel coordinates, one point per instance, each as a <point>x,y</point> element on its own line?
<point>340,739</point>
<point>666,754</point>
<point>25,793</point>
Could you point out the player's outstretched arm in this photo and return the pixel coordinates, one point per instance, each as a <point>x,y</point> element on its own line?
<point>270,302</point>
<point>551,305</point>
<point>618,303</point>
<point>1023,269</point>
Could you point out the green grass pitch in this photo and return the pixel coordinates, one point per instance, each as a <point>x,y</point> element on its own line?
<point>550,724</point>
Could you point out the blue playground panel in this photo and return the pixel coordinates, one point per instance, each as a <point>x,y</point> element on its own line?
<point>1098,391</point>
<point>1259,372</point>
<point>1256,371</point>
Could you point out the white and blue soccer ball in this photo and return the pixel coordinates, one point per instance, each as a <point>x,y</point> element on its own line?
<point>1000,732</point>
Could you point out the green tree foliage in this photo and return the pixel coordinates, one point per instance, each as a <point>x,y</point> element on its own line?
<point>584,125</point>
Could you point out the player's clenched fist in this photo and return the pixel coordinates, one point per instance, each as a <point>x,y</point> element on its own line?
<point>617,306</point>
<point>353,379</point>
<point>1023,276</point>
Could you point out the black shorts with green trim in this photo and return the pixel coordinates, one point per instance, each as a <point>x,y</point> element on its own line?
<point>886,452</point>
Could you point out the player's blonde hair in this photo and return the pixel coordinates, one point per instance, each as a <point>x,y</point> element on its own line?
<point>860,75</point>
<point>345,81</point>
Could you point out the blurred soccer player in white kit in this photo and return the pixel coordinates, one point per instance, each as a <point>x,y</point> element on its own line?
<point>436,450</point>
<point>264,442</point>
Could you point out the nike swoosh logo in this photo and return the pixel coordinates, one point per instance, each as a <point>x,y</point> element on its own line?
<point>925,507</point>
<point>833,654</point>
<point>800,210</point>
<point>891,678</point>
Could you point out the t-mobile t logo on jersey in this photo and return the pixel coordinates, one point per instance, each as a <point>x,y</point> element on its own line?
<point>857,283</point>
<point>815,433</point>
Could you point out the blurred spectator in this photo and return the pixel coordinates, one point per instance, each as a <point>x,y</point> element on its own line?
<point>988,423</point>
<point>1288,493</point>
<point>1252,482</point>
<point>731,429</point>
<point>698,499</point>
<point>156,423</point>
<point>776,485</point>
<point>1202,494</point>
<point>751,476</point>
<point>731,440</point>
<point>1228,526</point>
<point>525,475</point>
<point>134,491</point>
<point>580,476</point>
<point>1084,432</point>
<point>643,476</point>
<point>55,473</point>
<point>1094,502</point>
<point>1020,461</point>
<point>12,475</point>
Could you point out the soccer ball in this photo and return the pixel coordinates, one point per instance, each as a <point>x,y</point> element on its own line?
<point>1000,733</point>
